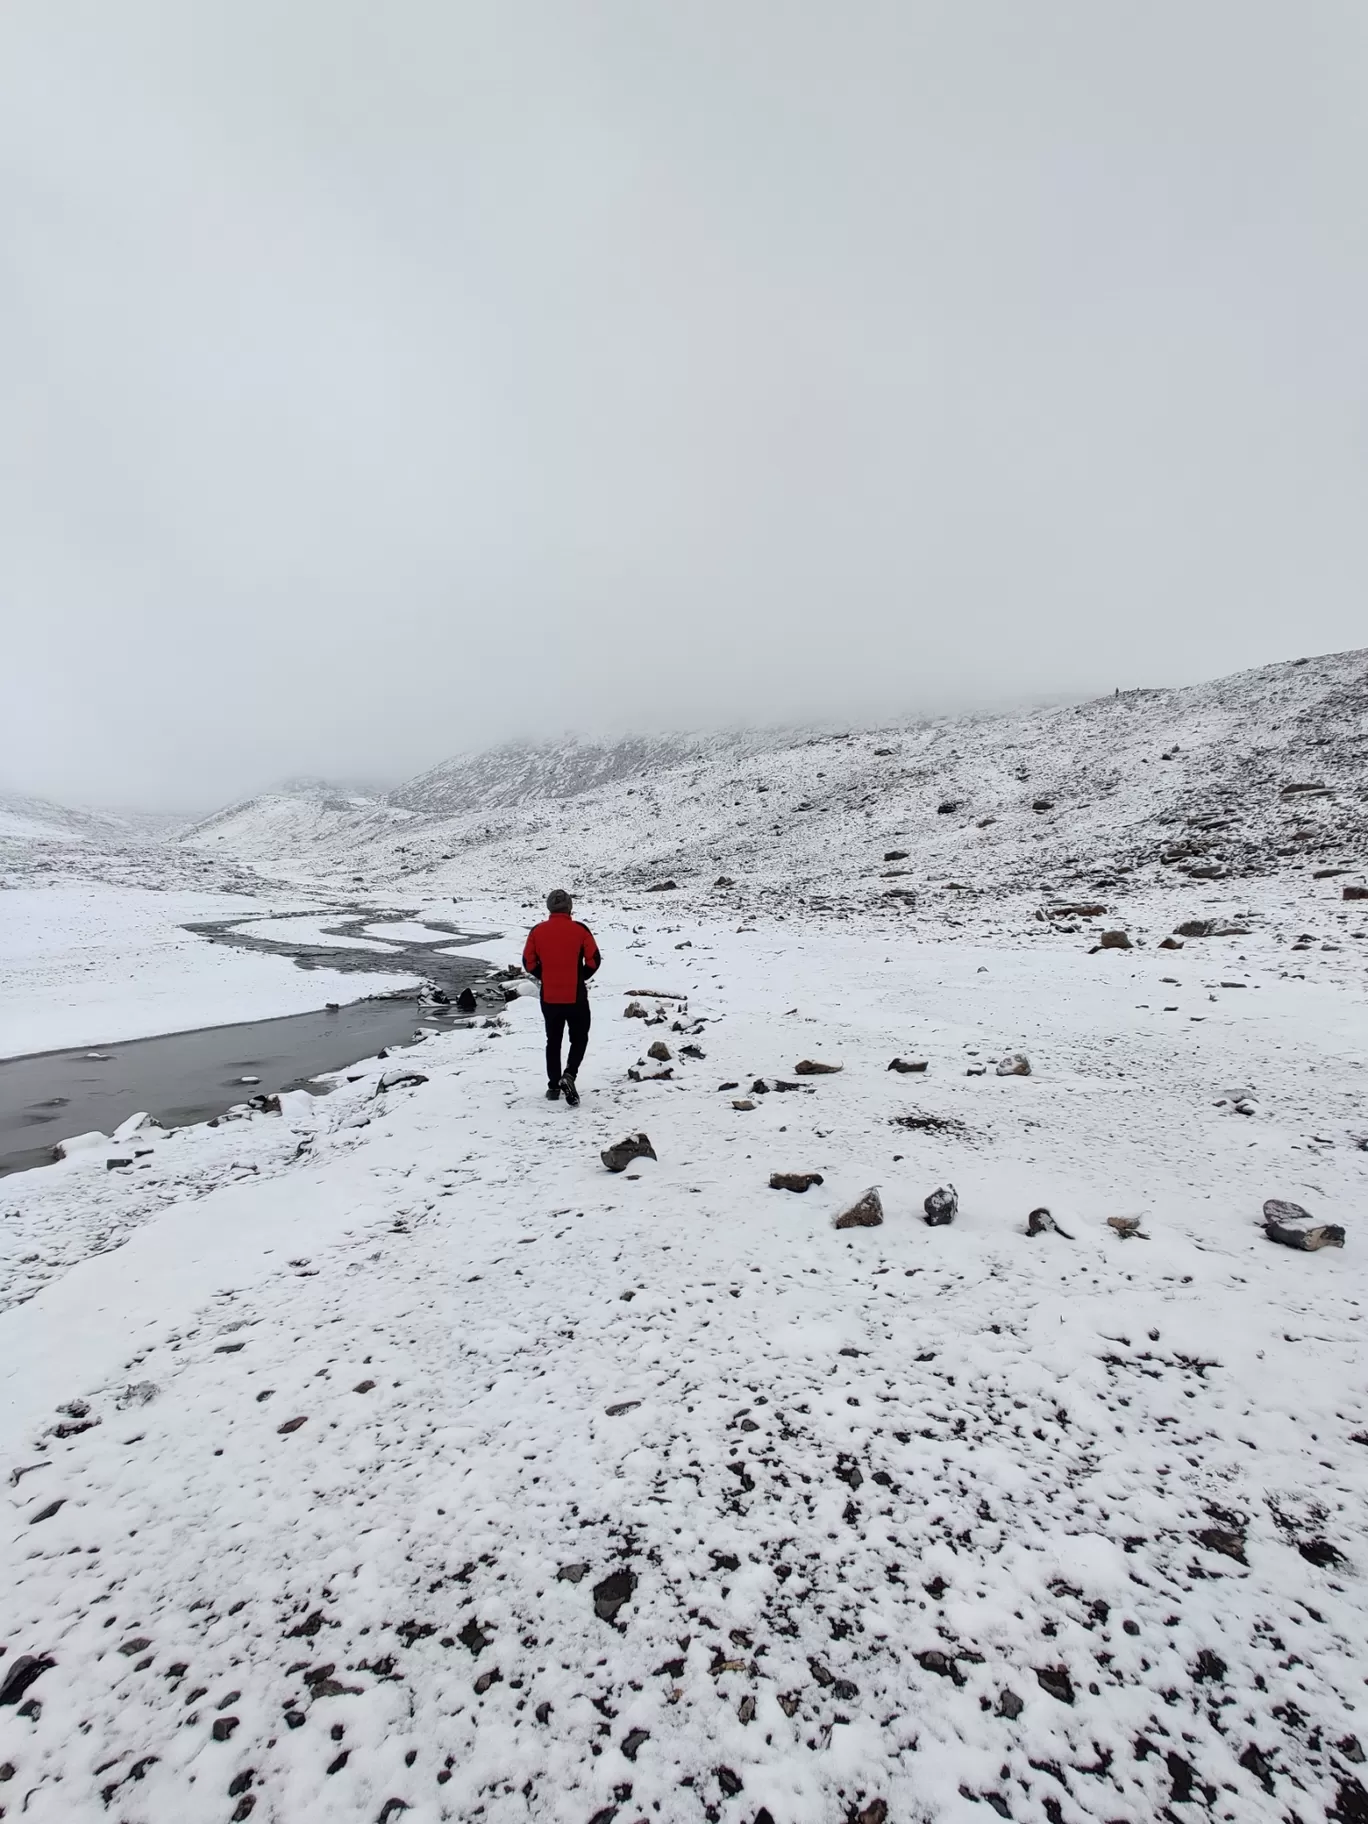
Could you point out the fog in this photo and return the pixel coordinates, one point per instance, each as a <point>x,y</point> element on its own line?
<point>378,381</point>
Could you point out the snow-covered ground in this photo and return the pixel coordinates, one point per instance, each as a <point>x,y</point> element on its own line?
<point>431,1471</point>
<point>87,963</point>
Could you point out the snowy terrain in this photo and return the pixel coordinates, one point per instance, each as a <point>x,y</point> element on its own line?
<point>387,1457</point>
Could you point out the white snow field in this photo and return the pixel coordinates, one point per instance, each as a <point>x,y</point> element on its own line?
<point>387,1457</point>
<point>403,1462</point>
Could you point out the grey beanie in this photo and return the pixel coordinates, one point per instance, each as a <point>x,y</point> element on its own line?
<point>558,900</point>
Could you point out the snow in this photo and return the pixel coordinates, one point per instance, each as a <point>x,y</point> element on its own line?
<point>1055,1425</point>
<point>957,1521</point>
<point>90,964</point>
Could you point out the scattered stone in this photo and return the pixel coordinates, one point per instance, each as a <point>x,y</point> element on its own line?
<point>1056,1683</point>
<point>1356,892</point>
<point>1195,927</point>
<point>137,1393</point>
<point>865,1213</point>
<point>660,1051</point>
<point>745,1711</point>
<point>616,1412</point>
<point>948,806</point>
<point>664,886</point>
<point>224,1727</point>
<point>1209,1666</point>
<point>79,1144</point>
<point>635,1011</point>
<point>942,1206</point>
<point>908,1066</point>
<point>572,1573</point>
<point>724,880</point>
<point>363,1387</point>
<point>1114,940</point>
<point>693,1051</point>
<point>794,1181</point>
<point>729,1782</point>
<point>1226,1541</point>
<point>1126,1226</point>
<point>613,1593</point>
<point>1170,943</point>
<point>113,1165</point>
<point>27,1668</point>
<point>264,1105</point>
<point>486,1679</point>
<point>635,1146</point>
<point>1040,1222</point>
<point>393,1079</point>
<point>465,1000</point>
<point>895,854</point>
<point>744,1104</point>
<point>810,1067</point>
<point>876,1812</point>
<point>291,1424</point>
<point>942,1664</point>
<point>1324,1235</point>
<point>919,1122</point>
<point>1042,804</point>
<point>633,1741</point>
<point>1015,1064</point>
<point>1010,1705</point>
<point>47,1512</point>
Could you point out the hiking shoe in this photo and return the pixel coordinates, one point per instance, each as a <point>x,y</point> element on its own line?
<point>567,1084</point>
<point>553,1092</point>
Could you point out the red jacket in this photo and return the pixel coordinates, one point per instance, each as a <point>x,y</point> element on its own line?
<point>563,955</point>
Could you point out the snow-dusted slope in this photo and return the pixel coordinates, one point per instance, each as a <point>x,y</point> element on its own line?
<point>1176,785</point>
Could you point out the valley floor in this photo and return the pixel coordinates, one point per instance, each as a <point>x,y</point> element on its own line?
<point>389,1458</point>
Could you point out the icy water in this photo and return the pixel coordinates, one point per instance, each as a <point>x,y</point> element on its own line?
<point>182,1077</point>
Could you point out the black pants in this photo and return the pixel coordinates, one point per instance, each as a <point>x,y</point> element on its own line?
<point>559,1019</point>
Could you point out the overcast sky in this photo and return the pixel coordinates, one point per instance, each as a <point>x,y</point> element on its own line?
<point>379,380</point>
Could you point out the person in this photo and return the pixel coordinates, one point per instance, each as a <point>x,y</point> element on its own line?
<point>562,955</point>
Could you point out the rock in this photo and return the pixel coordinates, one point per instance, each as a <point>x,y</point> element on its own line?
<point>724,880</point>
<point>942,1664</point>
<point>1055,1681</point>
<point>660,1051</point>
<point>333,1007</point>
<point>613,1594</point>
<point>572,1573</point>
<point>1042,804</point>
<point>1040,1222</point>
<point>794,1181</point>
<point>78,1144</point>
<point>393,1079</point>
<point>942,1206</point>
<point>264,1105</point>
<point>664,886</point>
<point>1010,1705</point>
<point>291,1424</point>
<point>114,1165</point>
<point>1315,789</point>
<point>635,1011</point>
<point>137,1124</point>
<point>1356,892</point>
<point>249,1079</point>
<point>908,1065</point>
<point>948,806</point>
<point>21,1675</point>
<point>634,1740</point>
<point>743,1105</point>
<point>1114,940</point>
<point>1126,1226</point>
<point>1195,927</point>
<point>635,1146</point>
<point>1015,1064</point>
<point>224,1727</point>
<point>1170,943</point>
<point>1324,1235</point>
<point>865,1213</point>
<point>1277,1209</point>
<point>465,1000</point>
<point>1075,911</point>
<point>810,1067</point>
<point>729,1782</point>
<point>895,854</point>
<point>439,997</point>
<point>693,1051</point>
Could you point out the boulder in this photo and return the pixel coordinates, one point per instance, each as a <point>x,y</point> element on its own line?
<point>1170,943</point>
<point>660,1051</point>
<point>794,1181</point>
<point>1115,940</point>
<point>137,1124</point>
<point>635,1146</point>
<point>465,1000</point>
<point>865,1213</point>
<point>948,806</point>
<point>1015,1064</point>
<point>265,1105</point>
<point>724,880</point>
<point>1356,892</point>
<point>1195,927</point>
<point>743,1104</point>
<point>810,1067</point>
<point>80,1144</point>
<point>895,854</point>
<point>635,1011</point>
<point>393,1079</point>
<point>942,1206</point>
<point>664,886</point>
<point>1289,1224</point>
<point>907,1066</point>
<point>1040,1222</point>
<point>1042,804</point>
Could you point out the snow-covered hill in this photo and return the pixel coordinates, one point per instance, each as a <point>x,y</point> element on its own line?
<point>1261,772</point>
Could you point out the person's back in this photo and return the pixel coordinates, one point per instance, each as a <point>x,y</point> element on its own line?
<point>561,953</point>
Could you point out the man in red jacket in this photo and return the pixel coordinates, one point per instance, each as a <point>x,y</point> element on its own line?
<point>562,955</point>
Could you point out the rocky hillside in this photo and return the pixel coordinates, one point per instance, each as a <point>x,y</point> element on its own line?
<point>1258,773</point>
